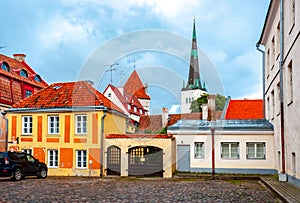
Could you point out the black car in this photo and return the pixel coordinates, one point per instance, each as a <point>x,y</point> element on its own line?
<point>19,164</point>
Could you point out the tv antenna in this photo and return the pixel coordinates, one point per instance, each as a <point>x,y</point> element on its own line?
<point>111,69</point>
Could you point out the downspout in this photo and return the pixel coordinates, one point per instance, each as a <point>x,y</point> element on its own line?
<point>281,88</point>
<point>102,142</point>
<point>263,78</point>
<point>6,129</point>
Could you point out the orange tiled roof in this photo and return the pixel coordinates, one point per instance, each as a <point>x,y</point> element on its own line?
<point>133,136</point>
<point>134,86</point>
<point>69,94</point>
<point>245,109</point>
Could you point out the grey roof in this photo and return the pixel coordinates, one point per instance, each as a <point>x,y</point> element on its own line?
<point>253,124</point>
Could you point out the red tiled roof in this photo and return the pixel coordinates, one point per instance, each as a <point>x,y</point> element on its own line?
<point>125,100</point>
<point>138,136</point>
<point>15,67</point>
<point>134,86</point>
<point>245,109</point>
<point>69,94</point>
<point>154,122</point>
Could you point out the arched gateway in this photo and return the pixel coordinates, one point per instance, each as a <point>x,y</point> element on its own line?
<point>113,160</point>
<point>145,161</point>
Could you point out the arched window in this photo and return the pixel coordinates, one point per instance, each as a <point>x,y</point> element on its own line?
<point>23,73</point>
<point>37,78</point>
<point>5,66</point>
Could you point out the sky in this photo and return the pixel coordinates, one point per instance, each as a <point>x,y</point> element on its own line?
<point>69,40</point>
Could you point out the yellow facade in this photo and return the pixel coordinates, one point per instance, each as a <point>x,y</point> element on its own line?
<point>67,145</point>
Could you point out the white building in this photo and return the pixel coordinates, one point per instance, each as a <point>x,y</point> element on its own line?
<point>281,82</point>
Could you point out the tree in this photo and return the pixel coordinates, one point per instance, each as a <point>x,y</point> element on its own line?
<point>196,105</point>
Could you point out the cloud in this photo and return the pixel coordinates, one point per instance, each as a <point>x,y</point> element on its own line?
<point>60,29</point>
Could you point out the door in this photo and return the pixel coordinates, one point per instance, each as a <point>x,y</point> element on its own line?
<point>145,161</point>
<point>113,160</point>
<point>183,158</point>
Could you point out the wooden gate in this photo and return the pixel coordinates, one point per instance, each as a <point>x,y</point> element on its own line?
<point>145,161</point>
<point>113,160</point>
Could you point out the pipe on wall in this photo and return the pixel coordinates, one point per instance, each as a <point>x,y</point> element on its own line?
<point>102,143</point>
<point>263,78</point>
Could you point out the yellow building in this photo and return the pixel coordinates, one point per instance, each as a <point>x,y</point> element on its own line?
<point>63,125</point>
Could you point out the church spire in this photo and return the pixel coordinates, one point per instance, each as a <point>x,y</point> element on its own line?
<point>194,73</point>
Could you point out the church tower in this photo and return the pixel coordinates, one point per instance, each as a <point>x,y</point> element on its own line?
<point>193,88</point>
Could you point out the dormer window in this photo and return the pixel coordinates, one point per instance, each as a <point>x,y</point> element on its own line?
<point>135,109</point>
<point>141,111</point>
<point>5,66</point>
<point>128,106</point>
<point>37,78</point>
<point>23,73</point>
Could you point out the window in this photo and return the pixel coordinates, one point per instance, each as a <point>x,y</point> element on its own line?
<point>5,66</point>
<point>128,106</point>
<point>272,105</point>
<point>273,51</point>
<point>135,109</point>
<point>109,94</point>
<point>53,124</point>
<point>37,78</point>
<point>290,82</point>
<point>27,125</point>
<point>230,150</point>
<point>28,93</point>
<point>278,40</point>
<point>80,124</point>
<point>199,150</point>
<point>81,158</point>
<point>27,151</point>
<point>53,158</point>
<point>141,111</point>
<point>293,164</point>
<point>268,108</point>
<point>278,99</point>
<point>268,63</point>
<point>23,73</point>
<point>186,100</point>
<point>256,150</point>
<point>293,10</point>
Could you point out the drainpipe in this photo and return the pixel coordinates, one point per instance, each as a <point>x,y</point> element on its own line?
<point>6,129</point>
<point>281,88</point>
<point>102,142</point>
<point>263,78</point>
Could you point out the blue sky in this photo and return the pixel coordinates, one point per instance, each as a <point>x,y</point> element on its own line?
<point>60,36</point>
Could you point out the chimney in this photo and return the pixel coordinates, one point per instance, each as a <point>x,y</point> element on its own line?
<point>20,57</point>
<point>146,88</point>
<point>164,116</point>
<point>204,111</point>
<point>211,107</point>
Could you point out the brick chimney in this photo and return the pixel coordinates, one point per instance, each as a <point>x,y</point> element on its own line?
<point>146,88</point>
<point>211,100</point>
<point>20,57</point>
<point>165,116</point>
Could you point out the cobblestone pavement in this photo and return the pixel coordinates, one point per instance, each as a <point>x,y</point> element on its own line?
<point>79,189</point>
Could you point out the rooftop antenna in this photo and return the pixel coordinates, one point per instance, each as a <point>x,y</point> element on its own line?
<point>111,69</point>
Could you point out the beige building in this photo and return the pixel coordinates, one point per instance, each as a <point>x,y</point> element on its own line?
<point>281,82</point>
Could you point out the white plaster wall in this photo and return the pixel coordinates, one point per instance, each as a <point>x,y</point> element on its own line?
<point>240,163</point>
<point>167,145</point>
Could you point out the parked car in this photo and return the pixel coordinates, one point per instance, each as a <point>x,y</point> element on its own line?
<point>19,164</point>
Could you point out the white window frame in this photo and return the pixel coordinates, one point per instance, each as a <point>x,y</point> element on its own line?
<point>55,126</point>
<point>230,150</point>
<point>199,150</point>
<point>81,160</point>
<point>81,125</point>
<point>52,158</point>
<point>27,125</point>
<point>256,150</point>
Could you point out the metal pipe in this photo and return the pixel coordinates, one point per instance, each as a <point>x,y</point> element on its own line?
<point>213,150</point>
<point>281,89</point>
<point>263,78</point>
<point>102,143</point>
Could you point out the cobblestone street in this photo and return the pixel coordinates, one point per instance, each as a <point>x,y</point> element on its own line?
<point>79,189</point>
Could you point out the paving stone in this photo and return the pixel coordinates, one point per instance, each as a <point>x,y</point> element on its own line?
<point>79,189</point>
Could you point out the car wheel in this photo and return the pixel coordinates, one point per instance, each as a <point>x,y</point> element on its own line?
<point>17,174</point>
<point>42,173</point>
